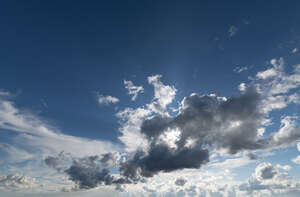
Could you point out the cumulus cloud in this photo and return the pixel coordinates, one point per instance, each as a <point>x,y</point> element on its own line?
<point>296,160</point>
<point>17,182</point>
<point>270,180</point>
<point>133,90</point>
<point>106,100</point>
<point>265,171</point>
<point>277,85</point>
<point>242,87</point>
<point>132,119</point>
<point>163,95</point>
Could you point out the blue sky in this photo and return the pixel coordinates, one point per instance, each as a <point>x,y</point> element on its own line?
<point>126,80</point>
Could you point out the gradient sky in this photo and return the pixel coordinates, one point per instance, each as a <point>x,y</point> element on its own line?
<point>81,81</point>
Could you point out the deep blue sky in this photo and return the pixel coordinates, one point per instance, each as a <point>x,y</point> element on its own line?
<point>63,52</point>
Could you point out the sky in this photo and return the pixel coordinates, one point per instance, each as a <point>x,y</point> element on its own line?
<point>149,98</point>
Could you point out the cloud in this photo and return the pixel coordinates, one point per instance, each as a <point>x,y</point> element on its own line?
<point>180,182</point>
<point>106,100</point>
<point>133,90</point>
<point>232,31</point>
<point>295,50</point>
<point>14,154</point>
<point>37,135</point>
<point>240,69</point>
<point>132,119</point>
<point>88,172</point>
<point>270,180</point>
<point>163,95</point>
<point>161,158</point>
<point>276,85</point>
<point>242,87</point>
<point>265,171</point>
<point>17,182</point>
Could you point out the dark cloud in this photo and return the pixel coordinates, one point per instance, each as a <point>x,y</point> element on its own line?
<point>253,156</point>
<point>88,173</point>
<point>205,123</point>
<point>59,162</point>
<point>180,182</point>
<point>162,158</point>
<point>267,172</point>
<point>209,121</point>
<point>109,159</point>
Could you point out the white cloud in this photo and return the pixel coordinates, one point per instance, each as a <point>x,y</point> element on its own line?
<point>133,90</point>
<point>16,182</point>
<point>34,132</point>
<point>232,30</point>
<point>131,119</point>
<point>276,85</point>
<point>240,69</point>
<point>295,50</point>
<point>163,95</point>
<point>242,87</point>
<point>14,154</point>
<point>106,100</point>
<point>232,163</point>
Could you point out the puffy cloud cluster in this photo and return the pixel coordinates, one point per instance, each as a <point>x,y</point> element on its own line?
<point>88,172</point>
<point>278,86</point>
<point>204,122</point>
<point>163,95</point>
<point>16,182</point>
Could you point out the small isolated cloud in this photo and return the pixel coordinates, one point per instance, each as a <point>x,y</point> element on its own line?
<point>295,50</point>
<point>106,100</point>
<point>133,90</point>
<point>240,69</point>
<point>232,30</point>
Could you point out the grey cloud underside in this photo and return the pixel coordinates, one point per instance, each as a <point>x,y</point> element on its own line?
<point>210,122</point>
<point>180,182</point>
<point>162,158</point>
<point>205,119</point>
<point>87,172</point>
